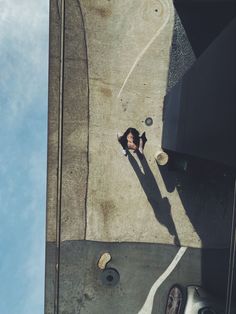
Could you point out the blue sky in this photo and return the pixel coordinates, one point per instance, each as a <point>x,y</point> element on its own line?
<point>23,138</point>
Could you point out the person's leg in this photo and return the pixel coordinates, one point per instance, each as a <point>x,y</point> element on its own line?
<point>143,141</point>
<point>141,145</point>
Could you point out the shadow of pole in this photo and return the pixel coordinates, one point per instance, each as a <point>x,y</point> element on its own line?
<point>161,206</point>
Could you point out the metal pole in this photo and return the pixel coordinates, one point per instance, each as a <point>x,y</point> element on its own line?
<point>232,258</point>
<point>60,152</point>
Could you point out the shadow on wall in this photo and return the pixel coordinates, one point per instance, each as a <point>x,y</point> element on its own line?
<point>161,206</point>
<point>206,191</point>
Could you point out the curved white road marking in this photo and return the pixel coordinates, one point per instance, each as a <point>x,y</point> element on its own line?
<point>148,305</point>
<point>146,48</point>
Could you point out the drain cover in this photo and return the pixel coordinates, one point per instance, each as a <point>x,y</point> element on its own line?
<point>110,277</point>
<point>148,121</point>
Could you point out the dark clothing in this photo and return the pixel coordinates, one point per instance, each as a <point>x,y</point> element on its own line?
<point>123,139</point>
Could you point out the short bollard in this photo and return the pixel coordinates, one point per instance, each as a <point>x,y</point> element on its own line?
<point>161,157</point>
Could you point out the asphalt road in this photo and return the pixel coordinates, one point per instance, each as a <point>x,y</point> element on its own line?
<point>83,289</point>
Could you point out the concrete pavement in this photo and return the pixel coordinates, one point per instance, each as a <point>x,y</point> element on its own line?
<point>120,58</point>
<point>116,72</point>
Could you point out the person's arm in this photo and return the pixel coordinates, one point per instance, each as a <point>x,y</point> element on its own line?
<point>142,142</point>
<point>141,145</point>
<point>144,139</point>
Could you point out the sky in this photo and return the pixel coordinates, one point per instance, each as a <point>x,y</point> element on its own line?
<point>23,139</point>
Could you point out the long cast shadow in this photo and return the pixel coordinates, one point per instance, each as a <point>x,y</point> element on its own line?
<point>161,206</point>
<point>206,192</point>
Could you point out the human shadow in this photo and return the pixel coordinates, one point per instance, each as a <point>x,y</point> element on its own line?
<point>160,205</point>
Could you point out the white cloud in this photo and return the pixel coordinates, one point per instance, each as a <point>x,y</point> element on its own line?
<point>23,46</point>
<point>23,111</point>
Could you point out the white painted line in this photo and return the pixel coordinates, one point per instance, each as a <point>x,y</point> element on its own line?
<point>146,47</point>
<point>148,305</point>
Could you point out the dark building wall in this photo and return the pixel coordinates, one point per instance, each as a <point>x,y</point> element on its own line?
<point>182,56</point>
<point>200,111</point>
<point>204,20</point>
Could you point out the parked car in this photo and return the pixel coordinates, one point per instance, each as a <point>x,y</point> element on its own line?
<point>192,300</point>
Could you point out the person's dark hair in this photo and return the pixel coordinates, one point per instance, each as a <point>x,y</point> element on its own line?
<point>123,140</point>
